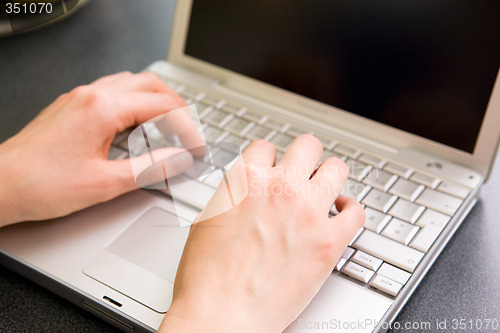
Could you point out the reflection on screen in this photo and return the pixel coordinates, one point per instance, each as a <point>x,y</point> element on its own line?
<point>427,67</point>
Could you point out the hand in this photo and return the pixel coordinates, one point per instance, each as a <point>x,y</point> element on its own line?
<point>256,267</point>
<point>58,163</point>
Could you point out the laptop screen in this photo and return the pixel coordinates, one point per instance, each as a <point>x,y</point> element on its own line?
<point>425,67</point>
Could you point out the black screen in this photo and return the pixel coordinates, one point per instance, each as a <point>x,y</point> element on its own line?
<point>423,66</point>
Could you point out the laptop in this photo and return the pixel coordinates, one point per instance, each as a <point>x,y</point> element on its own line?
<point>406,93</point>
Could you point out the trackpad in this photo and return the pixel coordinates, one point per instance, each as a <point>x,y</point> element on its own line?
<point>142,261</point>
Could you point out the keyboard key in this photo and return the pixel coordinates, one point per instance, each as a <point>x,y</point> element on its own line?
<point>455,190</point>
<point>235,110</point>
<point>347,252</point>
<point>340,264</point>
<point>281,141</point>
<point>377,162</point>
<point>386,285</point>
<point>327,143</point>
<point>120,137</point>
<point>292,131</point>
<point>259,132</point>
<point>394,273</point>
<point>213,102</point>
<point>375,220</point>
<point>212,134</point>
<point>407,189</point>
<point>199,169</point>
<point>358,272</point>
<point>279,156</point>
<point>218,118</point>
<point>431,217</point>
<point>379,200</point>
<point>254,117</point>
<point>239,126</point>
<point>201,107</point>
<point>224,158</point>
<point>185,189</point>
<point>234,139</point>
<point>426,237</point>
<point>439,201</point>
<point>327,154</point>
<point>343,258</point>
<point>187,93</point>
<point>360,231</point>
<point>400,231</point>
<point>431,224</point>
<point>347,151</point>
<point>175,86</point>
<point>134,144</point>
<point>206,111</point>
<point>388,250</point>
<point>357,170</point>
<point>406,210</point>
<point>426,180</point>
<point>354,189</point>
<point>380,179</point>
<point>116,153</point>
<point>276,125</point>
<point>367,260</point>
<point>213,179</point>
<point>398,170</point>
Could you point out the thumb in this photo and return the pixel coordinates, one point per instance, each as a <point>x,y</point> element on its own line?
<point>346,224</point>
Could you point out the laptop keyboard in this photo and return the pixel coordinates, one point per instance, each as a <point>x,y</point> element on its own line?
<point>405,210</point>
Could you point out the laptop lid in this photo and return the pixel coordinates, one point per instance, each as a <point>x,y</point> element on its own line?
<point>413,74</point>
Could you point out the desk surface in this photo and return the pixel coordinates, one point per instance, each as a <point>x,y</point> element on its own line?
<point>115,35</point>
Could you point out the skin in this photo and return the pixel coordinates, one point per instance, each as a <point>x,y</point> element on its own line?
<point>65,147</point>
<point>253,268</point>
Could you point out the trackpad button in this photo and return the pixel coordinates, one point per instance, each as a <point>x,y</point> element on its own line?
<point>142,261</point>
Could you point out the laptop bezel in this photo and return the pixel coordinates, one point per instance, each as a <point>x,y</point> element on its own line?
<point>480,160</point>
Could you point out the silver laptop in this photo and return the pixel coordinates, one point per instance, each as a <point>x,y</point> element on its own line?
<point>407,94</point>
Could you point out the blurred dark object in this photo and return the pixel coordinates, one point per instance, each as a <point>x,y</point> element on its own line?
<point>23,16</point>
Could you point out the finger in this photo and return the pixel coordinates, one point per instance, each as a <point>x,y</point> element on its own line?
<point>260,152</point>
<point>303,155</point>
<point>138,107</point>
<point>328,181</point>
<point>141,172</point>
<point>140,82</point>
<point>179,122</point>
<point>106,80</point>
<point>345,225</point>
<point>232,190</point>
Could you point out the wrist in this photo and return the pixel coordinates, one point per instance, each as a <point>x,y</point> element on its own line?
<point>200,317</point>
<point>11,210</point>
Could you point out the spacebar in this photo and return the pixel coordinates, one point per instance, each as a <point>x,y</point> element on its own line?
<point>388,250</point>
<point>191,192</point>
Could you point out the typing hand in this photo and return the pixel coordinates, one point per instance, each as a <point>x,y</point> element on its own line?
<point>58,163</point>
<point>255,267</point>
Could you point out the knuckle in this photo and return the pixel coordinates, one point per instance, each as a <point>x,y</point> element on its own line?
<point>79,91</point>
<point>88,99</point>
<point>153,80</point>
<point>94,100</point>
<point>126,73</point>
